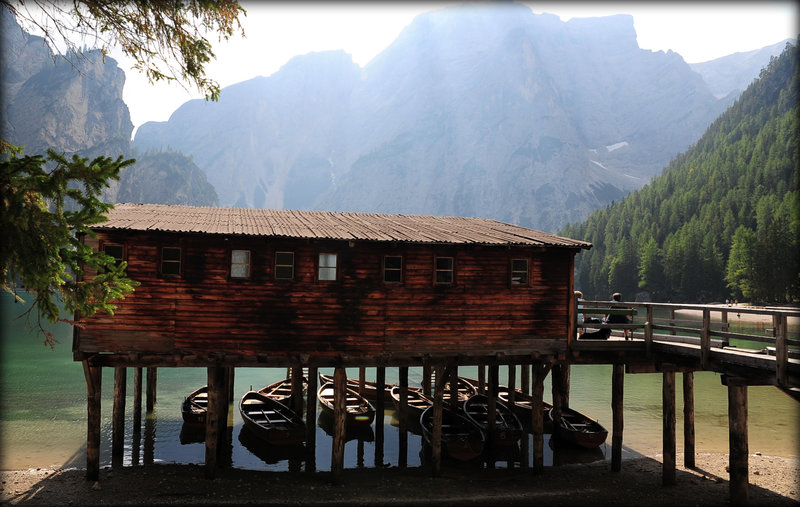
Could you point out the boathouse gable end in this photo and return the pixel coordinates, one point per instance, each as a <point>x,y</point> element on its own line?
<point>327,285</point>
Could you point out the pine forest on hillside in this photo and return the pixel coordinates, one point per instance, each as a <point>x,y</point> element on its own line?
<point>722,221</point>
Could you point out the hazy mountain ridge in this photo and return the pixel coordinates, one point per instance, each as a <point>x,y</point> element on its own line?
<point>471,111</point>
<point>74,106</point>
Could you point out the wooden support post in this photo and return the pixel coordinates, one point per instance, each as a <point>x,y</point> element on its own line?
<point>668,437</point>
<point>538,374</point>
<point>118,416</point>
<point>339,422</point>
<point>216,398</point>
<point>137,401</point>
<point>150,397</point>
<point>426,377</point>
<point>648,331</point>
<point>436,437</point>
<point>525,378</point>
<point>224,449</point>
<point>688,419</point>
<point>403,414</point>
<point>362,379</point>
<point>296,402</point>
<point>617,403</point>
<point>452,381</point>
<point>482,378</point>
<point>380,399</point>
<point>311,421</point>
<point>494,380</point>
<point>705,340</point>
<point>94,378</point>
<point>781,327</point>
<point>512,381</point>
<point>737,421</point>
<point>231,381</point>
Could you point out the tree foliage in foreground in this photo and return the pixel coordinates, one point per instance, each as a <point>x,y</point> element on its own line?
<point>166,39</point>
<point>41,243</point>
<point>723,219</point>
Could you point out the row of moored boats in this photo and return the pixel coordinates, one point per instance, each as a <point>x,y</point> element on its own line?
<point>465,427</point>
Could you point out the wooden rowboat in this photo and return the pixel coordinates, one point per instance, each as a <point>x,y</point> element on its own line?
<point>417,402</point>
<point>195,407</point>
<point>507,426</point>
<point>462,440</point>
<point>370,388</point>
<point>358,409</point>
<point>578,429</point>
<point>522,407</point>
<point>271,420</point>
<point>281,390</point>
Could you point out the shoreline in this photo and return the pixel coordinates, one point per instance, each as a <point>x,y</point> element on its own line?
<point>773,481</point>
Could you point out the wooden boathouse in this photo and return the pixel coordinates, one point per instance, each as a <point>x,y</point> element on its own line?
<point>223,288</point>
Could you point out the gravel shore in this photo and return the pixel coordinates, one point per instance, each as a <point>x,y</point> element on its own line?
<point>773,481</point>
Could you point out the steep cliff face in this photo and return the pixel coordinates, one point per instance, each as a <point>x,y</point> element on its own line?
<point>74,105</point>
<point>476,111</point>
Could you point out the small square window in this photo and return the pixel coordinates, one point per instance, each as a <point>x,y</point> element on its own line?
<point>444,270</point>
<point>519,272</point>
<point>170,261</point>
<point>115,251</point>
<point>327,266</point>
<point>284,265</point>
<point>240,263</point>
<point>392,269</point>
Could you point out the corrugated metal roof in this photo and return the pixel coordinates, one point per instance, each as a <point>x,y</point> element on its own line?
<point>328,225</point>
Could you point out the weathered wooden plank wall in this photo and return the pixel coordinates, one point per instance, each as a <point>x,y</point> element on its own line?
<point>204,310</point>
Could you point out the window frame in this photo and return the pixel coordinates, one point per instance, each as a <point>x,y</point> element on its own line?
<point>437,270</point>
<point>249,264</point>
<point>276,266</point>
<point>117,260</point>
<point>335,267</point>
<point>527,272</point>
<point>179,261</point>
<point>398,270</point>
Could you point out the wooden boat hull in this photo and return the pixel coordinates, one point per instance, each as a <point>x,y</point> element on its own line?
<point>522,408</point>
<point>507,428</point>
<point>578,429</point>
<point>417,403</point>
<point>271,420</point>
<point>462,440</point>
<point>195,407</point>
<point>358,409</point>
<point>281,390</point>
<point>370,388</point>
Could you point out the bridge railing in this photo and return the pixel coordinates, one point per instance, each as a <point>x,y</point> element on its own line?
<point>707,326</point>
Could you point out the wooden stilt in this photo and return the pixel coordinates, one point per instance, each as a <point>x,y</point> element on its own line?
<point>494,380</point>
<point>94,377</point>
<point>403,415</point>
<point>453,394</point>
<point>482,378</point>
<point>617,402</point>
<point>426,377</point>
<point>525,378</point>
<point>216,398</point>
<point>380,399</point>
<point>737,421</point>
<point>137,401</point>
<point>296,402</point>
<point>231,382</point>
<point>362,379</point>
<point>688,419</point>
<point>339,414</point>
<point>152,380</point>
<point>224,449</point>
<point>311,421</point>
<point>118,416</point>
<point>556,387</point>
<point>539,371</point>
<point>512,384</point>
<point>436,437</point>
<point>668,434</point>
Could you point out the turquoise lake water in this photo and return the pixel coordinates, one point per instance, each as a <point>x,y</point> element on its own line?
<point>43,412</point>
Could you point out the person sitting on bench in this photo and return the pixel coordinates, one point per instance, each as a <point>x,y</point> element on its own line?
<point>618,319</point>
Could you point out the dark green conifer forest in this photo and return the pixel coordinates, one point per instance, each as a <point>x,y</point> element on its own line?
<point>722,221</point>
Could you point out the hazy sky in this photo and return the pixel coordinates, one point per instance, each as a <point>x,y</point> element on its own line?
<point>275,32</point>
